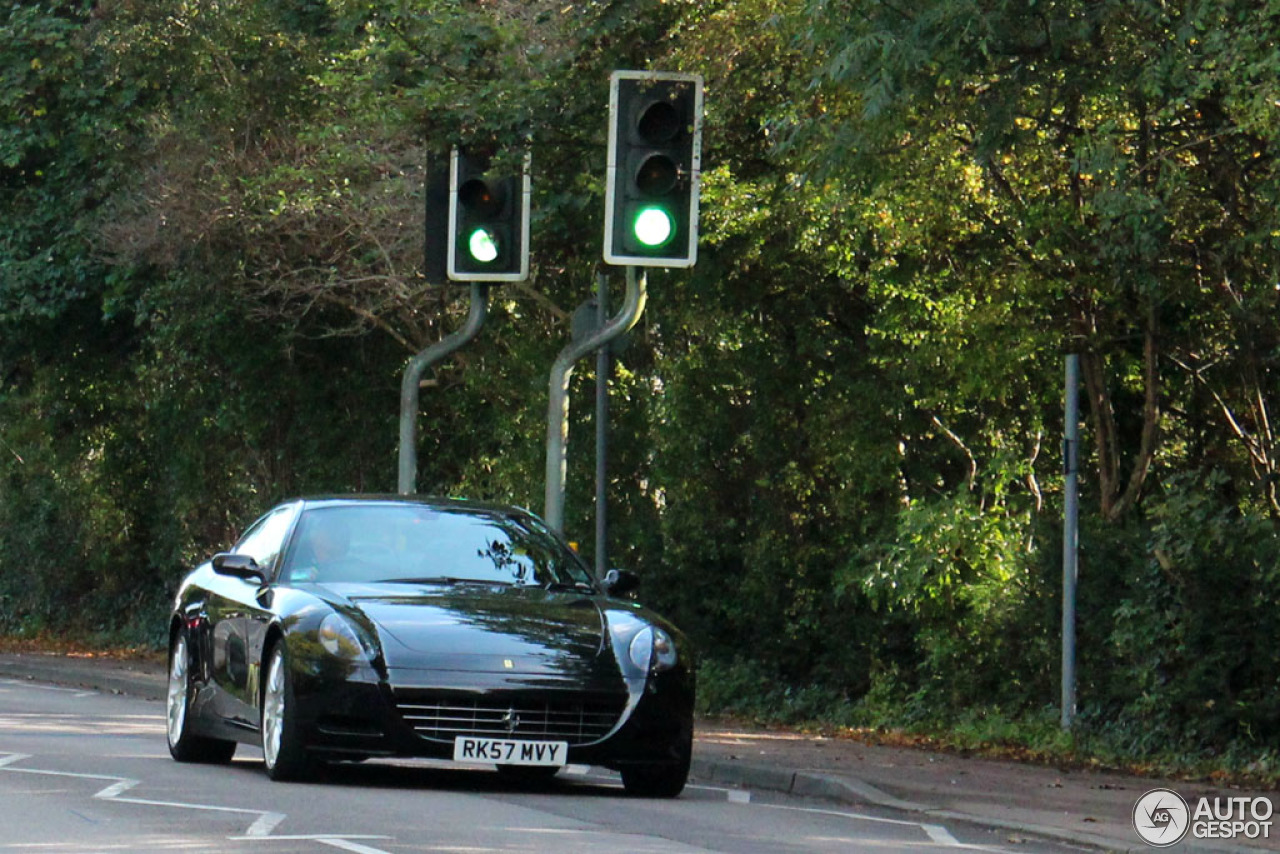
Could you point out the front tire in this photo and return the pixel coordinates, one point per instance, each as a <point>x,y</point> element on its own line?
<point>184,745</point>
<point>664,780</point>
<point>282,748</point>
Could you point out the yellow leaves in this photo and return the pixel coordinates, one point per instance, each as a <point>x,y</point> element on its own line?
<point>36,64</point>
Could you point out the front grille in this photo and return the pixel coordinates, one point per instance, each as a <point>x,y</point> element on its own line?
<point>575,720</point>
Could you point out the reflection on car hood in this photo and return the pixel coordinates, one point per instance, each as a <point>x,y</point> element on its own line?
<point>475,627</point>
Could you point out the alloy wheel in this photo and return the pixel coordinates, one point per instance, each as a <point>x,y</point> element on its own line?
<point>273,710</point>
<point>177,694</point>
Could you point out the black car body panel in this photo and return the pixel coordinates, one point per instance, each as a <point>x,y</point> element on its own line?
<point>536,652</point>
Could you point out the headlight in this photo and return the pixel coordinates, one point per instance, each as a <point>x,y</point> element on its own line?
<point>664,650</point>
<point>340,639</point>
<point>653,647</point>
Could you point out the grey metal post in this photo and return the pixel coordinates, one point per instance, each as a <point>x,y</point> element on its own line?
<point>558,404</point>
<point>603,364</point>
<point>1070,539</point>
<point>407,483</point>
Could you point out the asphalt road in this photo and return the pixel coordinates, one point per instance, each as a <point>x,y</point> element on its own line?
<point>82,771</point>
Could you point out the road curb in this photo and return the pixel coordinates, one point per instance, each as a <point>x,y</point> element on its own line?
<point>852,791</point>
<point>82,673</point>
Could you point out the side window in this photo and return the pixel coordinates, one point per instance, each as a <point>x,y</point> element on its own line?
<point>265,539</point>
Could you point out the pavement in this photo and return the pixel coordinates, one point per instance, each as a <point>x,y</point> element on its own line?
<point>1022,800</point>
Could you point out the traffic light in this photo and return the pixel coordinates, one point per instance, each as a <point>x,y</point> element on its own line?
<point>655,142</point>
<point>436,232</point>
<point>488,222</point>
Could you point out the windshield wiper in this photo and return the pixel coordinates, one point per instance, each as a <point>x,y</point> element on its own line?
<point>579,586</point>
<point>443,579</point>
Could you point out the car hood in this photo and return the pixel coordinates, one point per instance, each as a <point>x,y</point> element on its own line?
<point>480,628</point>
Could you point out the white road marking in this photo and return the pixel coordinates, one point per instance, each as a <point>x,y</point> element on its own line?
<point>346,845</point>
<point>202,807</point>
<point>72,775</point>
<point>850,815</point>
<point>306,837</point>
<point>260,830</point>
<point>116,788</point>
<point>940,835</point>
<point>937,834</point>
<point>733,796</point>
<point>266,823</point>
<point>119,785</point>
<point>345,841</point>
<point>12,758</point>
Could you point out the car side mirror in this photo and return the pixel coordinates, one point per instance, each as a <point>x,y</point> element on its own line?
<point>619,581</point>
<point>239,566</point>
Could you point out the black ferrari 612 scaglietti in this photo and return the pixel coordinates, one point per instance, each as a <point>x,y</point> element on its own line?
<point>351,628</point>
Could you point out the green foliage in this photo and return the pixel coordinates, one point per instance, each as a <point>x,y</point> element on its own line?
<point>745,688</point>
<point>974,583</point>
<point>1189,633</point>
<point>55,116</point>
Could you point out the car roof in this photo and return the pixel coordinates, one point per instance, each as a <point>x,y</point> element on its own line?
<point>437,502</point>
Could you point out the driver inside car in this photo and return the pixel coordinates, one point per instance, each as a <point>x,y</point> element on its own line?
<point>324,552</point>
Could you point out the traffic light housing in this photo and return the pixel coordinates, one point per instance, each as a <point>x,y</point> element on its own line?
<point>488,221</point>
<point>436,232</point>
<point>655,145</point>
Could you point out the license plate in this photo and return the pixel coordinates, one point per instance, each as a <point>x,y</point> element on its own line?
<point>505,751</point>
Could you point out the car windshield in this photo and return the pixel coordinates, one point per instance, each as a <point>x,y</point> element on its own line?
<point>419,543</point>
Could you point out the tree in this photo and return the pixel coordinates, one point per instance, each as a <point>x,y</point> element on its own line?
<point>1124,157</point>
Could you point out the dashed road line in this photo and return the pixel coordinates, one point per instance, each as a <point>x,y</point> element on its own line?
<point>940,835</point>
<point>12,758</point>
<point>346,842</point>
<point>307,837</point>
<point>733,796</point>
<point>266,823</point>
<point>114,790</point>
<point>259,831</point>
<point>937,834</point>
<point>347,845</point>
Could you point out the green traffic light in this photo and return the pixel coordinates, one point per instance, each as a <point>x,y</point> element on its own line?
<point>653,226</point>
<point>483,245</point>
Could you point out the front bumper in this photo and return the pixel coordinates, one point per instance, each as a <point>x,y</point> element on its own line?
<point>416,714</point>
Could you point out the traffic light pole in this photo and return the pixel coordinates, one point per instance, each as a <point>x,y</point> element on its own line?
<point>1070,538</point>
<point>558,405</point>
<point>604,365</point>
<point>408,478</point>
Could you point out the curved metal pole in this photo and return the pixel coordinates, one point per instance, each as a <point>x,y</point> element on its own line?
<point>408,479</point>
<point>558,406</point>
